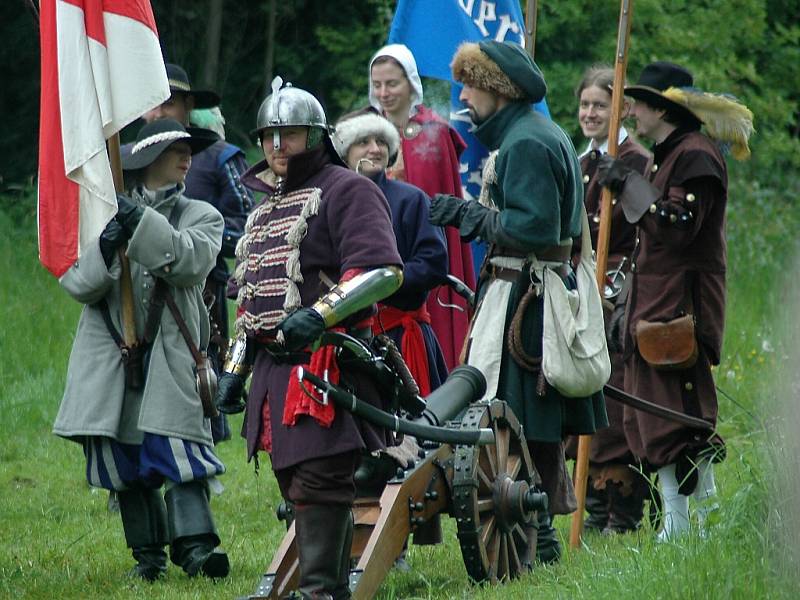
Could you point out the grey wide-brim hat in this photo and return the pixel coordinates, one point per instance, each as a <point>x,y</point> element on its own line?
<point>159,135</point>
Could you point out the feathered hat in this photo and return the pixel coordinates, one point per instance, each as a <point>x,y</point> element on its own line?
<point>670,86</point>
<point>154,138</point>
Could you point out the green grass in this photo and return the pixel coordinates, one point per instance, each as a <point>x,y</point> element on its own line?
<point>58,540</point>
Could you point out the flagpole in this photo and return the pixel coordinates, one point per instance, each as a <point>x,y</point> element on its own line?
<point>531,8</point>
<point>604,235</point>
<point>126,282</point>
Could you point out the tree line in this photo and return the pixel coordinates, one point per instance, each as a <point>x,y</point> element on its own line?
<point>748,48</point>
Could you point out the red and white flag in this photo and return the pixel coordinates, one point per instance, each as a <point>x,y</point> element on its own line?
<point>101,69</point>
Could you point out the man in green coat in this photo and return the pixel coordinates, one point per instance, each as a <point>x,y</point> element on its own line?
<point>529,207</point>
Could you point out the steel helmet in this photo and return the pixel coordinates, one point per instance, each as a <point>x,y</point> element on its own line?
<point>289,106</point>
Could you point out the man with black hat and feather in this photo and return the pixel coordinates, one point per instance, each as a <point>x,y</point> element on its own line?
<point>676,306</point>
<point>138,437</point>
<point>529,207</point>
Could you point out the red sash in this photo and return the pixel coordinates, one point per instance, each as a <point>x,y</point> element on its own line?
<point>412,346</point>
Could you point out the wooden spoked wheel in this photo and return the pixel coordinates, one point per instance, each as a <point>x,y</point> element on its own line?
<point>494,501</point>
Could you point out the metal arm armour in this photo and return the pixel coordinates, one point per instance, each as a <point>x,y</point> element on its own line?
<point>363,290</point>
<point>239,360</point>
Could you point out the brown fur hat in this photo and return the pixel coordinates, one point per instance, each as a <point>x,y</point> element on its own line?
<point>501,68</point>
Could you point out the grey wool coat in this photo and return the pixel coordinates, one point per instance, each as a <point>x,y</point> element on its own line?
<point>96,401</point>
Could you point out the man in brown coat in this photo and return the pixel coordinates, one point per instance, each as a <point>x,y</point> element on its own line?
<point>678,269</point>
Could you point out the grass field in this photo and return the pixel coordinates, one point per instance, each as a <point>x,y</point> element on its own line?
<point>57,539</point>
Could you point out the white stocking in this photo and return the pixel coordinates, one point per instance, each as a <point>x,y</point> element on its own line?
<point>675,505</point>
<point>705,492</point>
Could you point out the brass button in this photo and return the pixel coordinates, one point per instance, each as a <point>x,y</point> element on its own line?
<point>690,197</point>
<point>596,218</point>
<point>167,269</point>
<point>633,268</point>
<point>654,168</point>
<point>613,202</point>
<point>688,385</point>
<point>653,208</point>
<point>167,255</point>
<point>673,217</point>
<point>585,179</point>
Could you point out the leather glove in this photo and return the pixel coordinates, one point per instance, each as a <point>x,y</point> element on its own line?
<point>447,210</point>
<point>113,236</point>
<point>612,173</point>
<point>230,398</point>
<point>128,213</point>
<point>301,328</point>
<point>615,333</point>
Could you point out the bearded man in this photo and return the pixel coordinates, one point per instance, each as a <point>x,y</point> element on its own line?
<point>529,210</point>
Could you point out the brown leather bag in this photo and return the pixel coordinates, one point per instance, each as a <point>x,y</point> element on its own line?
<point>669,345</point>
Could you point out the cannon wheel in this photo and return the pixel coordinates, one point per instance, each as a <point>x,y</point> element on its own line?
<point>496,533</point>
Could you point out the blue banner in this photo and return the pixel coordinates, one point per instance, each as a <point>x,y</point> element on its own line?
<point>433,30</point>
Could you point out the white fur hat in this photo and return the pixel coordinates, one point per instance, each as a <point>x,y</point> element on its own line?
<point>351,129</point>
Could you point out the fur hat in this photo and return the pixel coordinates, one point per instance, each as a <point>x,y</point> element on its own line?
<point>357,126</point>
<point>666,85</point>
<point>501,68</point>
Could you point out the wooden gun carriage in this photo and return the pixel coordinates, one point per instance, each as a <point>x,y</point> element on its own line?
<point>474,465</point>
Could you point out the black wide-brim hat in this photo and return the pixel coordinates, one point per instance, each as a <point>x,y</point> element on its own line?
<point>657,78</point>
<point>159,135</point>
<point>179,82</point>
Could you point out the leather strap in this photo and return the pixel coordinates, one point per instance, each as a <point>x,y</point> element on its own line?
<point>176,313</point>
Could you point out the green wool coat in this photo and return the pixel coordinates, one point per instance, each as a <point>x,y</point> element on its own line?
<point>96,401</point>
<point>539,192</point>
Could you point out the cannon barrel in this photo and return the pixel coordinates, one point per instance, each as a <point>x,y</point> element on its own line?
<point>463,386</point>
<point>467,386</point>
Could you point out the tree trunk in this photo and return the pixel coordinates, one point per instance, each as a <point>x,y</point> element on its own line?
<point>213,35</point>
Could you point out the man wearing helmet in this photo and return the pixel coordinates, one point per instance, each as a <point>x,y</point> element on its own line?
<point>320,223</point>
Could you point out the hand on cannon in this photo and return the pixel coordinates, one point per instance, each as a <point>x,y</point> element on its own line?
<point>301,328</point>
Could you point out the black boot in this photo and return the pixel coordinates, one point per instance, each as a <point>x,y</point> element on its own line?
<point>596,507</point>
<point>625,511</point>
<point>548,548</point>
<point>192,533</point>
<point>323,535</point>
<point>144,520</point>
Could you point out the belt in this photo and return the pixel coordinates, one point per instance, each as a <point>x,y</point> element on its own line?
<point>560,253</point>
<point>504,273</point>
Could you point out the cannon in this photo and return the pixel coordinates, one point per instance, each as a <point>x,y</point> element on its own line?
<point>474,466</point>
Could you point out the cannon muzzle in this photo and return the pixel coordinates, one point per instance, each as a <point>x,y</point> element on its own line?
<point>463,386</point>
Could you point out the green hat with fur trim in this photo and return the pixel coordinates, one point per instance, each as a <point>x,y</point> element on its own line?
<point>501,68</point>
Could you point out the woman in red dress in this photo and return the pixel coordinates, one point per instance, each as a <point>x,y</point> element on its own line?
<point>428,159</point>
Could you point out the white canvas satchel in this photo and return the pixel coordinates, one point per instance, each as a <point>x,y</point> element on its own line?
<point>574,353</point>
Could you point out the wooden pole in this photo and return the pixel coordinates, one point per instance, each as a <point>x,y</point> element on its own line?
<point>530,26</point>
<point>126,283</point>
<point>603,237</point>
